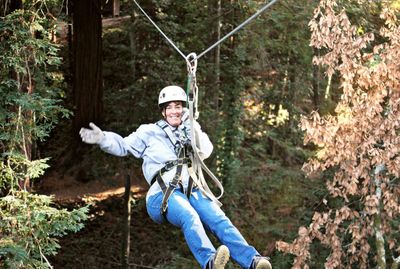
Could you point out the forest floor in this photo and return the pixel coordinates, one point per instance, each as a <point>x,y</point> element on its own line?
<point>66,189</point>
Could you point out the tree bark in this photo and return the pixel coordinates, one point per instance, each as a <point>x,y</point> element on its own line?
<point>396,262</point>
<point>87,63</point>
<point>116,8</point>
<point>214,75</point>
<point>126,232</point>
<point>379,239</point>
<point>315,84</point>
<point>8,6</point>
<point>328,87</point>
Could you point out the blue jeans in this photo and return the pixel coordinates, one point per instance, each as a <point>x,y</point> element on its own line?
<point>196,215</point>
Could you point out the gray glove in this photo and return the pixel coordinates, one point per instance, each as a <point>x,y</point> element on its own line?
<point>91,136</point>
<point>186,124</point>
<point>185,115</point>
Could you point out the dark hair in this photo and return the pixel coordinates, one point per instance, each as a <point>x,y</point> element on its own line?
<point>164,105</point>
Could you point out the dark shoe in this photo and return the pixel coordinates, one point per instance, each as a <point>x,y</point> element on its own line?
<point>260,262</point>
<point>220,258</point>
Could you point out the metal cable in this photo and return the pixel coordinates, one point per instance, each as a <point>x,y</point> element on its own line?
<point>237,28</point>
<point>216,43</point>
<point>164,35</point>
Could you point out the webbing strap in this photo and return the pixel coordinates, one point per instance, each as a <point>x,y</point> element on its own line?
<point>199,165</point>
<point>168,166</point>
<point>197,162</point>
<point>189,187</point>
<point>173,184</point>
<point>165,127</point>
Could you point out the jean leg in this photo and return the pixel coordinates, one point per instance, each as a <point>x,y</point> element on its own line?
<point>181,214</point>
<point>215,220</point>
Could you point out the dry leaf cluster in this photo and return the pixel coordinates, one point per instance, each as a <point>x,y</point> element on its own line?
<point>360,138</point>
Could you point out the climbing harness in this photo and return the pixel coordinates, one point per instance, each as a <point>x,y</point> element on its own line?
<point>189,154</point>
<point>182,152</point>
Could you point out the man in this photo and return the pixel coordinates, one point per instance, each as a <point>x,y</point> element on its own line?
<point>173,195</point>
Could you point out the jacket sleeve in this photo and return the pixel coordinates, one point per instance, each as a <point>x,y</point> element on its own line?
<point>114,144</point>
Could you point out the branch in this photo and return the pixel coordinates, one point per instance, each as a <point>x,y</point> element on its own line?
<point>396,262</point>
<point>41,253</point>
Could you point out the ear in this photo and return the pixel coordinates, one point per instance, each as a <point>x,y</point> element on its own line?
<point>163,112</point>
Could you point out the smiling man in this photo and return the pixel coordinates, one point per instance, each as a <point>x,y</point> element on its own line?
<point>174,196</point>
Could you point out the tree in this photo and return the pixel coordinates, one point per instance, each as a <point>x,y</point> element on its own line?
<point>214,66</point>
<point>229,91</point>
<point>278,77</point>
<point>359,143</point>
<point>30,96</point>
<point>87,63</point>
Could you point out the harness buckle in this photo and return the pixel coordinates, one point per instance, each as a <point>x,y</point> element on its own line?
<point>173,185</point>
<point>164,210</point>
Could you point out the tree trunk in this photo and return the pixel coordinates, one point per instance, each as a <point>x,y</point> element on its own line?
<point>328,87</point>
<point>315,84</point>
<point>116,8</point>
<point>215,34</point>
<point>396,262</point>
<point>132,44</point>
<point>126,232</point>
<point>230,92</point>
<point>26,85</point>
<point>8,6</point>
<point>87,63</point>
<point>380,241</point>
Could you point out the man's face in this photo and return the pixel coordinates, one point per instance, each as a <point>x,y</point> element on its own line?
<point>173,113</point>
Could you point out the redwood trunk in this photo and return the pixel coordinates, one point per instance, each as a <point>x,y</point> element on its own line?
<point>87,63</point>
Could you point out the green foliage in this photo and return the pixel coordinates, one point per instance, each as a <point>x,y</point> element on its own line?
<point>17,167</point>
<point>31,89</point>
<point>28,227</point>
<point>30,93</point>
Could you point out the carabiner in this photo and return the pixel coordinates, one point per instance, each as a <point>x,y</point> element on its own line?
<point>191,62</point>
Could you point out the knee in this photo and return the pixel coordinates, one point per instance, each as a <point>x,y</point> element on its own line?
<point>191,219</point>
<point>215,217</point>
<point>182,216</point>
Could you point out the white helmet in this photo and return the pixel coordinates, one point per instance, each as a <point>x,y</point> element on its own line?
<point>171,93</point>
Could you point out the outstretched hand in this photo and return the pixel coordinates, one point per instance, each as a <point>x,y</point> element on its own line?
<point>91,136</point>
